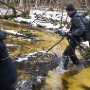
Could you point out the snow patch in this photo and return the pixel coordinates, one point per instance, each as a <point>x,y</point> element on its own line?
<point>13,45</point>
<point>13,32</point>
<point>36,15</point>
<point>22,59</point>
<point>26,56</point>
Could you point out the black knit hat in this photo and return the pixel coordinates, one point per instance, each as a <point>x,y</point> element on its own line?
<point>70,7</point>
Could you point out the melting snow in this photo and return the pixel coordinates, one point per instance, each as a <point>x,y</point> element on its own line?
<point>12,45</point>
<point>19,19</point>
<point>22,59</point>
<point>47,15</point>
<point>13,32</point>
<point>88,17</point>
<point>26,57</point>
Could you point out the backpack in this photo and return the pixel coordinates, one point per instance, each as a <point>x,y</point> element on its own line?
<point>86,22</point>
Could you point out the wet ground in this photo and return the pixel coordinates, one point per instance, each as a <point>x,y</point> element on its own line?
<point>41,66</point>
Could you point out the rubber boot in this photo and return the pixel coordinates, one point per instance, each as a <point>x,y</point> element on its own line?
<point>77,63</point>
<point>66,61</point>
<point>75,60</point>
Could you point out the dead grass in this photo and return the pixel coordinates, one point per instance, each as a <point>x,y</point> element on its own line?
<point>28,46</point>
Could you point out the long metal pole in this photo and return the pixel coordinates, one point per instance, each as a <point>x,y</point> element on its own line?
<point>55,44</point>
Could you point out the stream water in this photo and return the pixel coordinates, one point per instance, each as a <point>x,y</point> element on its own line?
<point>67,81</point>
<point>56,80</point>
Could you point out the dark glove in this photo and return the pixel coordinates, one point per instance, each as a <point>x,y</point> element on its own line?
<point>71,35</point>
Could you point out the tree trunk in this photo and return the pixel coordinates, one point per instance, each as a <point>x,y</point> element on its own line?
<point>36,3</point>
<point>14,10</point>
<point>21,3</point>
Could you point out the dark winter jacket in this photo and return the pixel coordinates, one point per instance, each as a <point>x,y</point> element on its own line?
<point>2,35</point>
<point>77,26</point>
<point>8,72</point>
<point>3,49</point>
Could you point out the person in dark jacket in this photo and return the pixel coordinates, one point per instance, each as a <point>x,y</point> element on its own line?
<point>8,72</point>
<point>76,31</point>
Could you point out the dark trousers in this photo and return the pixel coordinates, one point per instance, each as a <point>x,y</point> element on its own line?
<point>8,75</point>
<point>70,51</point>
<point>11,87</point>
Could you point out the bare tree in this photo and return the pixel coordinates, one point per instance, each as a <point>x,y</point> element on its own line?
<point>9,6</point>
<point>36,3</point>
